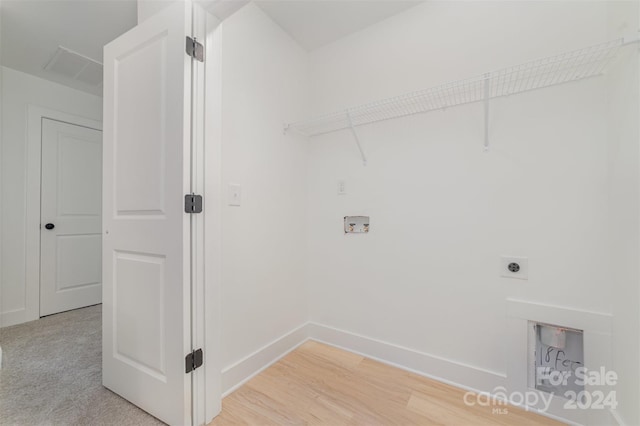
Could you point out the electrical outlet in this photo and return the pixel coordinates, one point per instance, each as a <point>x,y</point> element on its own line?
<point>514,267</point>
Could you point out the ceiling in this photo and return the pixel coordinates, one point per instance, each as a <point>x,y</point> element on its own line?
<point>315,23</point>
<point>32,30</point>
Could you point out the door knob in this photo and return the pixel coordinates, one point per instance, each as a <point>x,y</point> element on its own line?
<point>49,226</point>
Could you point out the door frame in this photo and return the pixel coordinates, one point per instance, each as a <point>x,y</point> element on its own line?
<point>210,170</point>
<point>35,115</point>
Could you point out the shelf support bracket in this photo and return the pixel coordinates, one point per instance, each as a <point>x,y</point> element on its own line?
<point>487,95</point>
<point>357,138</point>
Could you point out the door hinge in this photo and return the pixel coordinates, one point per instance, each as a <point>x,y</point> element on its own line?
<point>195,49</point>
<point>193,203</point>
<point>193,360</point>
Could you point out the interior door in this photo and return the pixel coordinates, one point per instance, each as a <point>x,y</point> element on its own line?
<point>71,210</point>
<point>146,249</point>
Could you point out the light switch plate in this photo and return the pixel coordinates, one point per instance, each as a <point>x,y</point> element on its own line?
<point>234,195</point>
<point>514,267</point>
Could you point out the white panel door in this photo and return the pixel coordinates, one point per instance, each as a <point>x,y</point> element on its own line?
<point>146,250</point>
<point>71,210</point>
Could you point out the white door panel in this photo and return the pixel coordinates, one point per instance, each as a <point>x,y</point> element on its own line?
<point>70,253</point>
<point>140,166</point>
<point>146,249</point>
<point>79,261</point>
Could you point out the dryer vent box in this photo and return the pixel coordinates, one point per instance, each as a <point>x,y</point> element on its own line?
<point>558,351</point>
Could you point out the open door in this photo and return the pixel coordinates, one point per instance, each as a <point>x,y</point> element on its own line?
<point>147,246</point>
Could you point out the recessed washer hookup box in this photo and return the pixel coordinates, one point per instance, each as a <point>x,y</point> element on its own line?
<point>356,224</point>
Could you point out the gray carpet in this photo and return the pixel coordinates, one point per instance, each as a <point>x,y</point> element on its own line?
<point>51,374</point>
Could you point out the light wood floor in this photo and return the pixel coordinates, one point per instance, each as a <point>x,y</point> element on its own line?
<point>322,385</point>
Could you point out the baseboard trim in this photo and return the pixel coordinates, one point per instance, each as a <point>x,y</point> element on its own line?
<point>450,372</point>
<point>460,375</point>
<point>475,379</point>
<point>240,372</point>
<point>9,318</point>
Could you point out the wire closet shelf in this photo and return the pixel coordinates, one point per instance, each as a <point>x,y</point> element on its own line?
<point>570,66</point>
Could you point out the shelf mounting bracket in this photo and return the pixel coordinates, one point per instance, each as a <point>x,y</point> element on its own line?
<point>487,96</point>
<point>357,138</point>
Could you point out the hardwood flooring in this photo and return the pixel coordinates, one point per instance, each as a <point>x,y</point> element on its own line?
<point>322,385</point>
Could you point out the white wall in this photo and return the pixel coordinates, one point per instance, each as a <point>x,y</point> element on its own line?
<point>623,141</point>
<point>1,203</point>
<point>442,212</point>
<point>426,278</point>
<point>148,8</point>
<point>423,288</point>
<point>19,91</point>
<point>264,77</point>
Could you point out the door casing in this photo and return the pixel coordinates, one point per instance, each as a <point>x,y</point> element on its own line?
<point>32,220</point>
